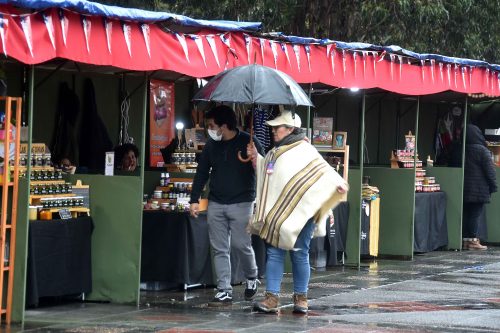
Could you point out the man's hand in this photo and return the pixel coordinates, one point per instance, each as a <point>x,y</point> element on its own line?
<point>252,153</point>
<point>194,209</point>
<point>342,188</point>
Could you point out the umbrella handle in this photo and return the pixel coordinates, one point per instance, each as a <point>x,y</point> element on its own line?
<point>243,160</point>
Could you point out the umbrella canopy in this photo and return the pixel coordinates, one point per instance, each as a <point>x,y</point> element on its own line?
<point>253,84</point>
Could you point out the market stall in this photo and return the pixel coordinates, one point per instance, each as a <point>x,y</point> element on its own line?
<point>47,42</point>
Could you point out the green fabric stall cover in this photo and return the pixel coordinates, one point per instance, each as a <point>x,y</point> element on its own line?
<point>397,201</point>
<point>493,215</point>
<point>19,291</point>
<point>116,209</point>
<point>353,240</point>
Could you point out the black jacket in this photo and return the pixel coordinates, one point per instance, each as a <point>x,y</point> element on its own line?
<point>231,181</point>
<point>479,171</point>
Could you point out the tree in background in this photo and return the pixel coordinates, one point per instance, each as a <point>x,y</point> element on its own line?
<point>460,28</point>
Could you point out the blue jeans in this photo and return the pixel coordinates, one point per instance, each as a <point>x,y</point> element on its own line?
<point>301,269</point>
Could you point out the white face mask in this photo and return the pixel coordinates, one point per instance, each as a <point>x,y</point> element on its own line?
<point>213,134</point>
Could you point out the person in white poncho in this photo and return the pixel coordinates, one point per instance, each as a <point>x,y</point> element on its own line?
<point>296,189</point>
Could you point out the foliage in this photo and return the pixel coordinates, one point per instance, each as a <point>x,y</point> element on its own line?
<point>460,28</point>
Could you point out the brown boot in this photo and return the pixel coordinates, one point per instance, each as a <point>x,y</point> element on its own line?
<point>270,303</point>
<point>300,303</point>
<point>465,244</point>
<point>476,245</point>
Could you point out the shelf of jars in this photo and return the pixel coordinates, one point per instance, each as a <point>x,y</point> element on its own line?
<point>172,194</point>
<point>183,161</point>
<point>49,192</point>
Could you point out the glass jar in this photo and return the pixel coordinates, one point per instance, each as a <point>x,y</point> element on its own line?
<point>45,215</point>
<point>38,159</point>
<point>23,159</point>
<point>47,159</point>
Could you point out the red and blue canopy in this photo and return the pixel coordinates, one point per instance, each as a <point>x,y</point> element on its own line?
<point>36,31</point>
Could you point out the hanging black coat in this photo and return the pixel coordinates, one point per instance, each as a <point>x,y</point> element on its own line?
<point>94,138</point>
<point>64,141</point>
<point>479,171</point>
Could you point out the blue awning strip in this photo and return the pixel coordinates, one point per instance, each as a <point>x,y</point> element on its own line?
<point>132,14</point>
<point>391,49</point>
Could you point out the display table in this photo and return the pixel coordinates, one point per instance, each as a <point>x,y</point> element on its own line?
<point>324,250</point>
<point>175,248</point>
<point>430,227</point>
<point>59,258</point>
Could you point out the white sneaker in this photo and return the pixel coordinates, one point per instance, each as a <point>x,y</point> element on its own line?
<point>252,286</point>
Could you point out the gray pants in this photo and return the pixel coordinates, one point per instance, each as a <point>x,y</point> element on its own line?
<point>227,231</point>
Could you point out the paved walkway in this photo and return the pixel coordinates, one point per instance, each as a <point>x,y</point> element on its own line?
<point>437,292</point>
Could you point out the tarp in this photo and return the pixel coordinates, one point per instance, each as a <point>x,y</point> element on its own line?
<point>389,49</point>
<point>132,14</point>
<point>48,34</point>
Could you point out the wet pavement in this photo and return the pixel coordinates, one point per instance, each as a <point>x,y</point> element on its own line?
<point>436,292</point>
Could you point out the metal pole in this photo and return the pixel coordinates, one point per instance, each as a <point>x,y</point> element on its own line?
<point>144,123</point>
<point>462,171</point>
<point>309,112</point>
<point>362,134</point>
<point>416,134</point>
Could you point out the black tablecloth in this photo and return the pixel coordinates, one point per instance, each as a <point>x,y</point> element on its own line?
<point>364,246</point>
<point>175,248</point>
<point>430,227</point>
<point>336,235</point>
<point>59,258</point>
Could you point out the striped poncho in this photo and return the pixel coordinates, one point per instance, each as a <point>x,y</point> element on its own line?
<point>302,185</point>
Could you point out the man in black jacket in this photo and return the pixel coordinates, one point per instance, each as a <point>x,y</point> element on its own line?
<point>479,183</point>
<point>231,196</point>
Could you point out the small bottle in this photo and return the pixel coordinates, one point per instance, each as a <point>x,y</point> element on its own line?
<point>429,161</point>
<point>162,179</point>
<point>167,178</point>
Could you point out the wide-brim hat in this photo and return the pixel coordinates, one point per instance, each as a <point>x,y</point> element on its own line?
<point>286,118</point>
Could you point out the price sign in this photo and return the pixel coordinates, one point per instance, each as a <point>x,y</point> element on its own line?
<point>65,214</point>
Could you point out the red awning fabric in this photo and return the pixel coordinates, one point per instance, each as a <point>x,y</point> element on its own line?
<point>57,33</point>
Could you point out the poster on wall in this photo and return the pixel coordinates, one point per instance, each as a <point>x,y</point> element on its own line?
<point>161,119</point>
<point>322,131</point>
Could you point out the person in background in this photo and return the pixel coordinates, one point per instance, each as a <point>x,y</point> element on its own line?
<point>296,190</point>
<point>231,196</point>
<point>479,183</point>
<point>66,166</point>
<point>126,157</point>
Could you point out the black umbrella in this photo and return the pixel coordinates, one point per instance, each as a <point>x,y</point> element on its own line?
<point>253,84</point>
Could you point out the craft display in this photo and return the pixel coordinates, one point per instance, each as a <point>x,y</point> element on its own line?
<point>405,158</point>
<point>172,194</point>
<point>50,195</point>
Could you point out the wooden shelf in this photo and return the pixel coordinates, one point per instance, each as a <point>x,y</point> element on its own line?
<point>345,151</point>
<point>48,196</point>
<point>71,209</point>
<point>330,150</point>
<point>12,108</point>
<point>37,168</point>
<point>48,181</point>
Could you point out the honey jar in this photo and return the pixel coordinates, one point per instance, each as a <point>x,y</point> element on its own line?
<point>45,215</point>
